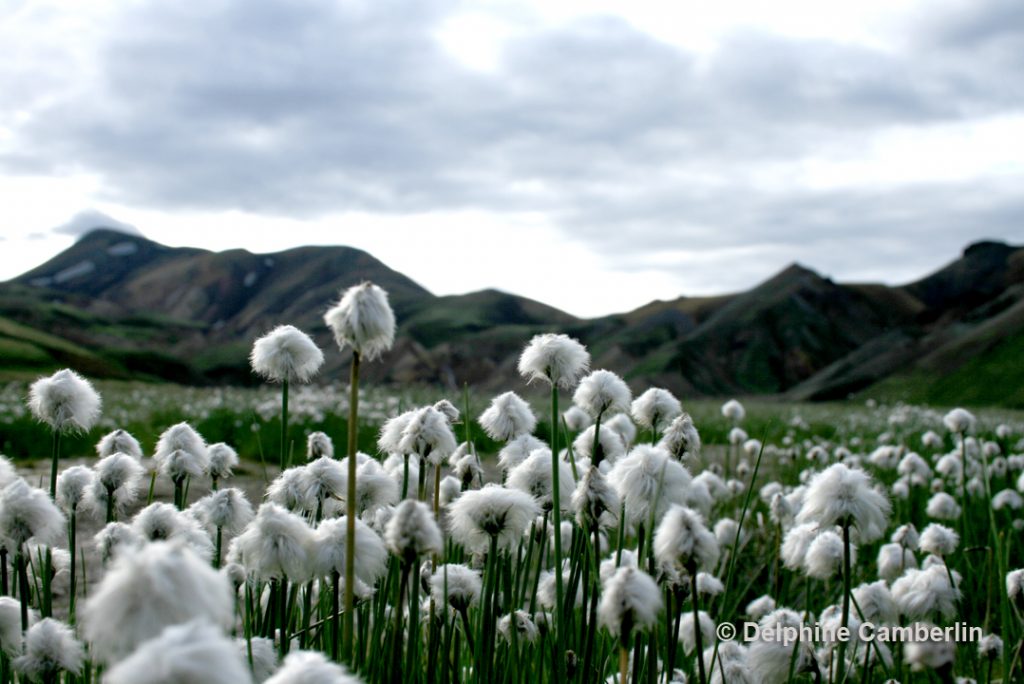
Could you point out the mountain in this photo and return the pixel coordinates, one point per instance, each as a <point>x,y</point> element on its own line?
<point>119,305</point>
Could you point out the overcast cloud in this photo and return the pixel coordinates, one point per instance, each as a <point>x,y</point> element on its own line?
<point>867,161</point>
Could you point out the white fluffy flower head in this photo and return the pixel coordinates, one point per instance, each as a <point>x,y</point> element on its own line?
<point>119,442</point>
<point>363,320</point>
<point>223,459</point>
<point>29,513</point>
<point>494,511</point>
<point>602,391</point>
<point>534,476</point>
<point>683,540</point>
<point>655,408</point>
<point>192,652</point>
<point>733,410</point>
<point>630,601</point>
<point>50,648</point>
<point>412,531</point>
<point>286,354</point>
<point>557,359</point>
<point>840,494</point>
<point>147,590</point>
<point>508,417</point>
<point>65,401</point>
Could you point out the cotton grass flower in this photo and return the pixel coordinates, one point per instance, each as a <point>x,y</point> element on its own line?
<point>145,591</point>
<point>50,648</point>
<point>329,550</point>
<point>72,486</point>
<point>683,540</point>
<point>602,391</point>
<point>609,443</point>
<point>493,513</point>
<point>876,603</point>
<point>556,359</point>
<point>760,607</point>
<point>595,502</point>
<point>374,488</point>
<point>28,513</point>
<point>655,408</point>
<point>508,417</point>
<point>526,630</point>
<point>65,401</point>
<point>10,626</point>
<point>119,442</point>
<point>648,482</point>
<point>942,506</point>
<point>630,601</point>
<point>286,354</point>
<point>276,545</point>
<point>688,635</point>
<point>517,451</point>
<point>412,531</point>
<point>929,654</point>
<point>226,511</point>
<point>322,480</point>
<point>264,657</point>
<point>772,658</point>
<point>223,459</point>
<point>180,454</point>
<point>893,560</point>
<point>1015,587</point>
<point>191,652</point>
<point>428,435</point>
<point>681,438</point>
<point>959,421</point>
<point>456,585</point>
<point>841,495</point>
<point>310,667</point>
<point>290,490</point>
<point>319,444</point>
<point>114,539</point>
<point>576,419</point>
<point>733,410</point>
<point>938,539</point>
<point>925,594</point>
<point>534,477</point>
<point>363,320</point>
<point>116,485</point>
<point>824,558</point>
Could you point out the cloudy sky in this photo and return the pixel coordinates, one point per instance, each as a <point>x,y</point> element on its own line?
<point>593,154</point>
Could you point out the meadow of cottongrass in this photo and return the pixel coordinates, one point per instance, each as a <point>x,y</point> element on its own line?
<point>452,541</point>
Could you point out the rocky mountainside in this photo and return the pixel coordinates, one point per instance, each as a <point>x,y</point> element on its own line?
<point>119,305</point>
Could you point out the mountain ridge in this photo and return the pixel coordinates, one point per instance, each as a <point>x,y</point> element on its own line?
<point>122,305</point>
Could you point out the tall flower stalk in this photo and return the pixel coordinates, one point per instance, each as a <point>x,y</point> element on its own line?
<point>66,402</point>
<point>560,361</point>
<point>364,321</point>
<point>285,355</point>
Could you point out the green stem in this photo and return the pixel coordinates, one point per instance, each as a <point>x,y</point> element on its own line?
<point>220,539</point>
<point>335,614</point>
<point>73,548</point>
<point>47,595</point>
<point>396,636</point>
<point>557,516</point>
<point>53,465</point>
<point>841,665</point>
<point>350,510</point>
<point>23,590</point>
<point>110,505</point>
<point>284,424</point>
<point>698,637</point>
